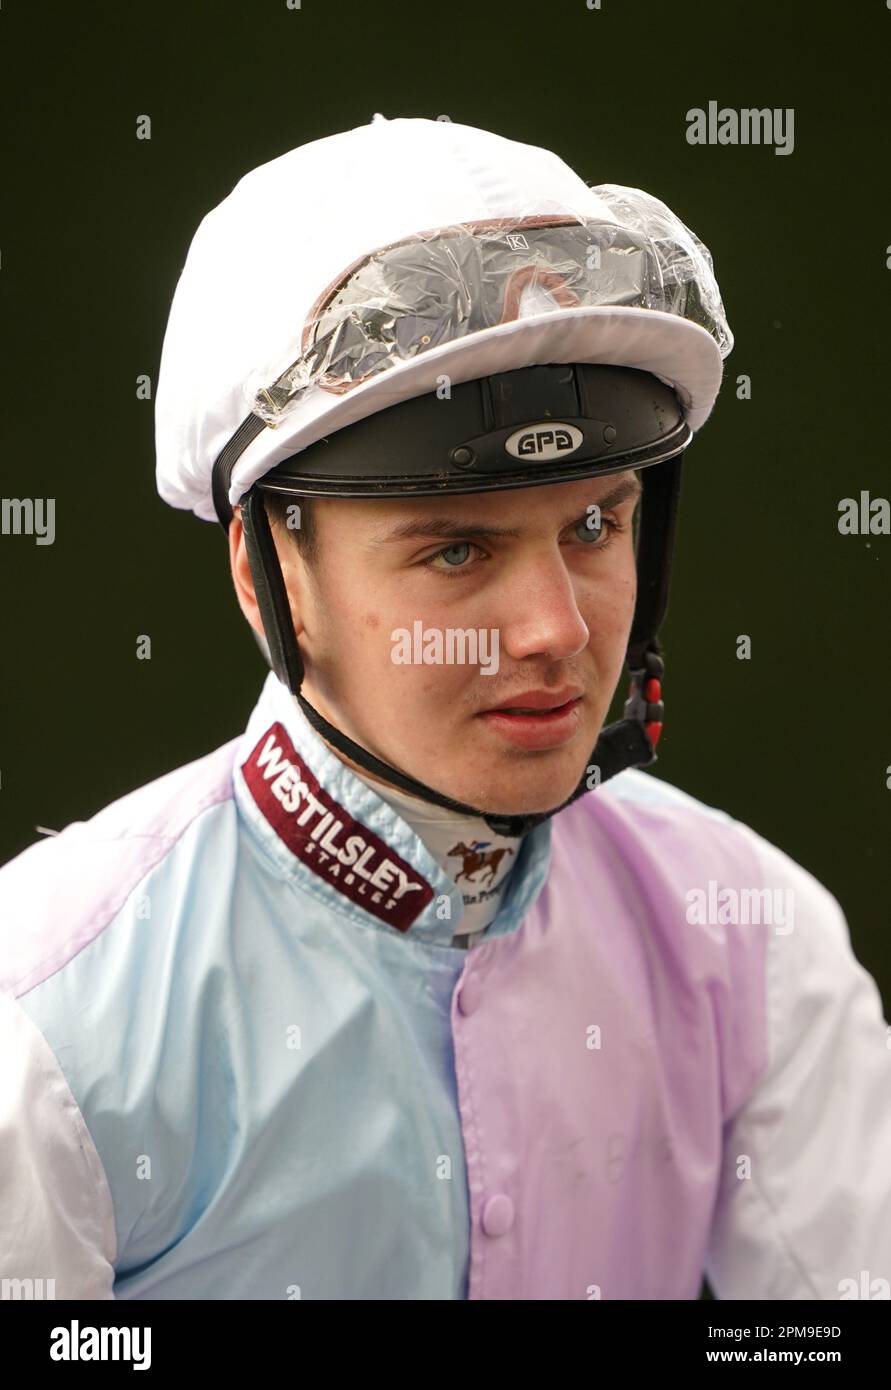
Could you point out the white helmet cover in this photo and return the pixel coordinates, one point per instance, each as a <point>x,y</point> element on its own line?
<point>256,290</point>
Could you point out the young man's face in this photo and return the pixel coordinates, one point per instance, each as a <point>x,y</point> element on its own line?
<point>556,594</point>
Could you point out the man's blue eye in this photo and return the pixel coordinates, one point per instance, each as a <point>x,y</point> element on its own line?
<point>587,531</point>
<point>450,551</point>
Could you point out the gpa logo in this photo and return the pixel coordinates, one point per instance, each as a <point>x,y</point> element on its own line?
<point>550,439</point>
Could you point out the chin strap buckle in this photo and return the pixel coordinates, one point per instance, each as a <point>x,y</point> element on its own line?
<point>644,701</point>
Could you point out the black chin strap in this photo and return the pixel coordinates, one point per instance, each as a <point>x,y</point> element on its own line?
<point>620,745</point>
<point>629,742</point>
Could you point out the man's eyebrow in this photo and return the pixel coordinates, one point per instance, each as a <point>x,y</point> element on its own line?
<point>420,526</point>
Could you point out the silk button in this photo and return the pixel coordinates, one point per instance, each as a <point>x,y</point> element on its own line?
<point>470,994</point>
<point>498,1215</point>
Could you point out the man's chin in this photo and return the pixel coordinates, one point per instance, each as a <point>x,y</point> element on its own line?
<point>524,783</point>
<point>509,796</point>
<point>529,805</point>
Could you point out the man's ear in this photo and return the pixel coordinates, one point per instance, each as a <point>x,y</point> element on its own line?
<point>243,579</point>
<point>241,573</point>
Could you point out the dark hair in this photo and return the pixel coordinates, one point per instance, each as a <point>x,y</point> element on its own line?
<point>282,512</point>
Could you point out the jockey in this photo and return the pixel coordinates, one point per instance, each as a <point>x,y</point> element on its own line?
<point>422,987</point>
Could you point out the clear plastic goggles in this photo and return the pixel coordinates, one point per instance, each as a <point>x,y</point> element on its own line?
<point>444,284</point>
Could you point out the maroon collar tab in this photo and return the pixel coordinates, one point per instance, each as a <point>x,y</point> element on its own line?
<point>341,850</point>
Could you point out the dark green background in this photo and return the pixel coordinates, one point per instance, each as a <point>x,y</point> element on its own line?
<point>96,226</point>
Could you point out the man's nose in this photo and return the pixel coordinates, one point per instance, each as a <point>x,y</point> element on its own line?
<point>542,615</point>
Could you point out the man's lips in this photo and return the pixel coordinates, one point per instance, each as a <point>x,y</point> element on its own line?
<point>547,727</point>
<point>538,701</point>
